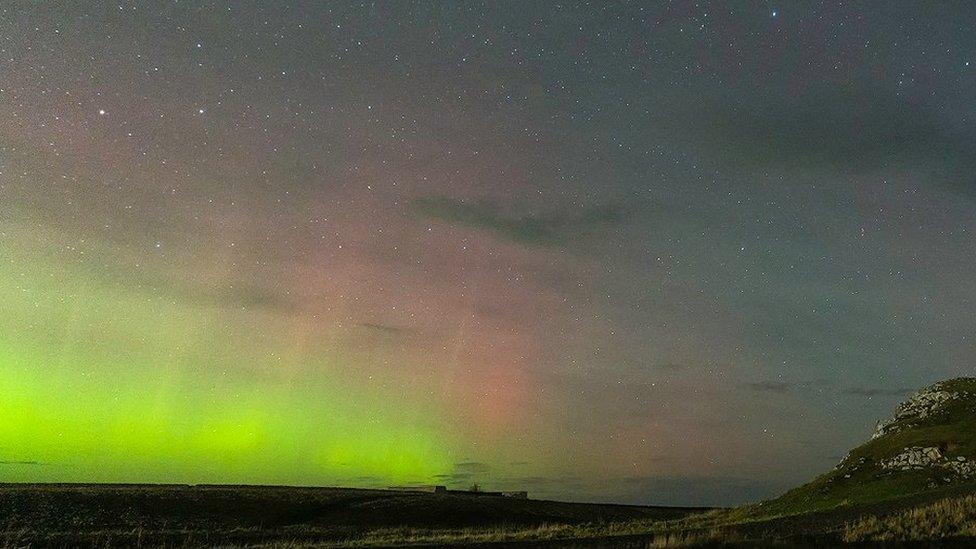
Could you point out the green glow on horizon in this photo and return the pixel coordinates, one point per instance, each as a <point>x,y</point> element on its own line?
<point>100,385</point>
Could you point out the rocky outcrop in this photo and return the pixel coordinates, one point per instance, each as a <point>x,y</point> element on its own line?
<point>919,406</point>
<point>923,457</point>
<point>962,466</point>
<point>910,414</point>
<point>929,444</point>
<point>915,457</point>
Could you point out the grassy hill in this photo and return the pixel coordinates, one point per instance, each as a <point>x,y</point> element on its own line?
<point>928,445</point>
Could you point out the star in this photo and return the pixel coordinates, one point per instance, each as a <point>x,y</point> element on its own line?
<point>621,216</point>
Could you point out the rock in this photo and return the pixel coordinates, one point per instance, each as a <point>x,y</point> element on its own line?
<point>919,406</point>
<point>919,458</point>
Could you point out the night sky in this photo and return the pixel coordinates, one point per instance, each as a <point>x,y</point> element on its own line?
<point>673,253</point>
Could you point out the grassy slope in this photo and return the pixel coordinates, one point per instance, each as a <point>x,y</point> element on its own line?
<point>951,518</point>
<point>860,480</point>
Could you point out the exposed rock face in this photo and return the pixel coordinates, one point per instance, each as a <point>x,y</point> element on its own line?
<point>921,405</point>
<point>919,457</point>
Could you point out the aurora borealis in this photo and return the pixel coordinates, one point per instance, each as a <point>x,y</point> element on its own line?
<point>674,253</point>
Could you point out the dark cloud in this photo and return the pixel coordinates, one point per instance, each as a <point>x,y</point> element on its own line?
<point>252,297</point>
<point>472,467</point>
<point>114,269</point>
<point>465,471</point>
<point>454,478</point>
<point>877,391</point>
<point>770,386</point>
<point>384,328</point>
<point>231,294</point>
<point>548,229</point>
<point>836,129</point>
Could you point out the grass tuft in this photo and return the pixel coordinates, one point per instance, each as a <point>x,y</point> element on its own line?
<point>946,519</point>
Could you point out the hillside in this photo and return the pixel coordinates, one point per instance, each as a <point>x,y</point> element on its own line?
<point>929,445</point>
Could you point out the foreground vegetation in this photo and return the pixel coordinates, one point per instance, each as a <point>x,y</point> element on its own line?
<point>180,516</point>
<point>948,519</point>
<point>122,516</point>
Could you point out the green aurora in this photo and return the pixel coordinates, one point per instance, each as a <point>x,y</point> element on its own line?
<point>644,252</point>
<point>134,388</point>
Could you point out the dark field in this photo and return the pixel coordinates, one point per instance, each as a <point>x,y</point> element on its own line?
<point>125,515</point>
<point>228,516</point>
